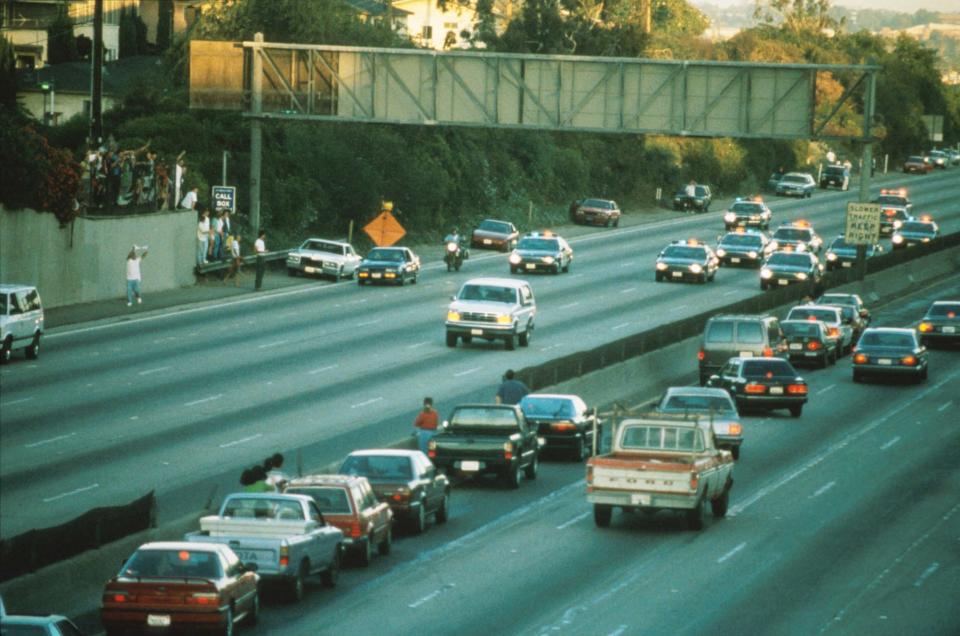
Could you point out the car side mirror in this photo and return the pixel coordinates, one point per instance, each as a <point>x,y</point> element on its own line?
<point>713,380</point>
<point>250,567</point>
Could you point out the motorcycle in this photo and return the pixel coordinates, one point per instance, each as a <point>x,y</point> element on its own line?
<point>453,254</point>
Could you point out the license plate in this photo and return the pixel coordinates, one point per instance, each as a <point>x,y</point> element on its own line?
<point>949,330</point>
<point>776,390</point>
<point>734,260</point>
<point>470,466</point>
<point>746,354</point>
<point>810,354</point>
<point>476,332</point>
<point>846,264</point>
<point>640,500</point>
<point>782,282</point>
<point>531,266</point>
<point>487,241</point>
<point>310,270</point>
<point>376,275</point>
<point>158,620</point>
<point>884,361</point>
<point>796,346</point>
<point>677,274</point>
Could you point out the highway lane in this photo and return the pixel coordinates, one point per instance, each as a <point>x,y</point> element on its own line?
<point>844,521</point>
<point>182,402</point>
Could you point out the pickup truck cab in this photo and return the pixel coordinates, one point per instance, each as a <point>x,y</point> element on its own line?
<point>659,462</point>
<point>284,535</point>
<point>487,438</point>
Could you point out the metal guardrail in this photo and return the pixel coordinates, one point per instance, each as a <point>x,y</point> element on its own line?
<point>222,266</point>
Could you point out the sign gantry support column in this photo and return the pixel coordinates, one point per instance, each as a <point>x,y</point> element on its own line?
<point>866,172</point>
<point>256,134</point>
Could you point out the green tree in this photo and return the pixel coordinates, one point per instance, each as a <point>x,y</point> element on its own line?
<point>128,34</point>
<point>796,16</point>
<point>8,75</point>
<point>61,43</point>
<point>164,24</point>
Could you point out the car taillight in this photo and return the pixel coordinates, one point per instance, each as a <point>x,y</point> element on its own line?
<point>909,360</point>
<point>508,450</point>
<point>797,389</point>
<point>401,495</point>
<point>767,352</point>
<point>701,355</point>
<point>860,358</point>
<point>694,480</point>
<point>203,598</point>
<point>734,429</point>
<point>755,388</point>
<point>284,556</point>
<point>589,474</point>
<point>432,449</point>
<point>834,332</point>
<point>563,426</point>
<point>925,327</point>
<point>813,345</point>
<point>111,596</point>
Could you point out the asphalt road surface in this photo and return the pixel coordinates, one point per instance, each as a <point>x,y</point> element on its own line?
<point>180,403</point>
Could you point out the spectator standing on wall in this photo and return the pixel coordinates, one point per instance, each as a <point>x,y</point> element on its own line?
<point>203,236</point>
<point>133,274</point>
<point>511,390</point>
<point>260,247</point>
<point>189,201</point>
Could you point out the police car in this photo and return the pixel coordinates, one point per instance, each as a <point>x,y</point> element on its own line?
<point>789,267</point>
<point>687,260</point>
<point>743,247</point>
<point>748,212</point>
<point>797,236</point>
<point>895,208</point>
<point>541,252</point>
<point>915,231</point>
<point>842,254</point>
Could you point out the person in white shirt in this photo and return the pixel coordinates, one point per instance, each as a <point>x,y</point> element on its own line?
<point>189,201</point>
<point>203,237</point>
<point>133,274</point>
<point>237,261</point>
<point>259,246</point>
<point>692,189</point>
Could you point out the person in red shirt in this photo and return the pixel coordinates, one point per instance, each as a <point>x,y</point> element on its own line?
<point>425,426</point>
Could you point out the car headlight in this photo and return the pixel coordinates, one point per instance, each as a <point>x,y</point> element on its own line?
<point>515,259</point>
<point>766,273</point>
<point>721,252</point>
<point>831,256</point>
<point>504,319</point>
<point>801,247</point>
<point>729,217</point>
<point>293,258</point>
<point>801,275</point>
<point>752,254</point>
<point>897,224</point>
<point>661,266</point>
<point>896,239</point>
<point>453,316</point>
<point>696,268</point>
<point>548,260</point>
<point>774,245</point>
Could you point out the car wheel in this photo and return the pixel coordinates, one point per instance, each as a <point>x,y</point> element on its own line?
<point>857,376</point>
<point>530,472</point>
<point>467,339</point>
<point>512,477</point>
<point>735,451</point>
<point>923,374</point>
<point>824,360</point>
<point>227,629</point>
<point>297,584</point>
<point>416,277</point>
<point>695,516</point>
<point>443,511</point>
<point>566,269</point>
<point>606,223</point>
<point>420,521</point>
<point>658,277</point>
<point>796,410</point>
<point>526,336</point>
<point>451,339</point>
<point>763,287</point>
<point>365,554</point>
<point>331,575</point>
<point>511,342</point>
<point>292,272</point>
<point>33,351</point>
<point>253,616</point>
<point>602,514</point>
<point>720,505</point>
<point>384,547</point>
<point>616,222</point>
<point>361,282</point>
<point>581,451</point>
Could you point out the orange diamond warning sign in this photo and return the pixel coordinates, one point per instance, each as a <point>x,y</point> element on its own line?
<point>385,230</point>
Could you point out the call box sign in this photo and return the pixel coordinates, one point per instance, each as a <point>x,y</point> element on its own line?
<point>224,198</point>
<point>863,223</point>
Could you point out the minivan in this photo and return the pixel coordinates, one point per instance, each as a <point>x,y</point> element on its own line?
<point>738,335</point>
<point>21,321</point>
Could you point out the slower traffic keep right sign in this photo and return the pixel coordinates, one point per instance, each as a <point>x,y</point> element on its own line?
<point>863,223</point>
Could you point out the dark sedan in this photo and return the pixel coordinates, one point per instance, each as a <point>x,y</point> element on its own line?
<point>810,341</point>
<point>687,260</point>
<point>597,212</point>
<point>886,351</point>
<point>406,480</point>
<point>913,233</point>
<point>743,248</point>
<point>541,252</point>
<point>837,176</point>
<point>394,265</point>
<point>919,164</point>
<point>843,255</point>
<point>693,197</point>
<point>563,421</point>
<point>788,268</point>
<point>748,212</point>
<point>495,235</point>
<point>767,383</point>
<point>853,300</point>
<point>941,323</point>
<point>798,236</point>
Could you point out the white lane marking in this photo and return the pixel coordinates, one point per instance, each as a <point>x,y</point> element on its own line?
<point>628,290</point>
<point>823,489</point>
<point>826,388</point>
<point>12,402</point>
<point>367,323</point>
<point>567,524</point>
<point>418,344</point>
<point>157,370</point>
<point>241,441</point>
<point>467,372</point>
<point>890,443</point>
<point>838,617</point>
<point>206,399</point>
<point>71,493</point>
<point>945,406</point>
<point>731,553</point>
<point>555,345</point>
<point>366,403</point>
<point>618,631</point>
<point>49,441</point>
<point>575,276</point>
<point>833,448</point>
<point>273,344</point>
<point>432,595</point>
<point>620,326</point>
<point>678,307</point>
<point>926,574</point>
<point>731,292</point>
<point>569,305</point>
<point>322,369</point>
<point>627,264</point>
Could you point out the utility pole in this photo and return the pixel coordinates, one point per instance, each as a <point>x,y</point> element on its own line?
<point>866,159</point>
<point>256,133</point>
<point>96,76</point>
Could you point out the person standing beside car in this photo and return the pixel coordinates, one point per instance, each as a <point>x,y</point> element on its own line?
<point>425,425</point>
<point>511,390</point>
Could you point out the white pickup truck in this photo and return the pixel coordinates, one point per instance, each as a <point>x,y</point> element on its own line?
<point>660,462</point>
<point>284,535</point>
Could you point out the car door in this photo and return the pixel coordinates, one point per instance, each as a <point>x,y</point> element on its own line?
<point>528,307</point>
<point>379,511</point>
<point>528,440</point>
<point>729,376</point>
<point>18,324</point>
<point>324,540</point>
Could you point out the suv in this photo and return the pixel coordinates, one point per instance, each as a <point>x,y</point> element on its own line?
<point>492,309</point>
<point>837,175</point>
<point>21,321</point>
<point>744,335</point>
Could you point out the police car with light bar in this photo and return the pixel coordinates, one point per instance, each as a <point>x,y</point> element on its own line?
<point>748,212</point>
<point>798,236</point>
<point>743,247</point>
<point>842,254</point>
<point>788,268</point>
<point>687,260</point>
<point>915,231</point>
<point>541,252</point>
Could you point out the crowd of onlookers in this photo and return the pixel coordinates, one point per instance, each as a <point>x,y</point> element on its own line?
<point>119,179</point>
<point>266,477</point>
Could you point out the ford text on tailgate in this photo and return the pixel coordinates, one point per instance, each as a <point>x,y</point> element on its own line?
<point>661,463</point>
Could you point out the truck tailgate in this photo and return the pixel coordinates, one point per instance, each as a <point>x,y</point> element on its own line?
<point>643,474</point>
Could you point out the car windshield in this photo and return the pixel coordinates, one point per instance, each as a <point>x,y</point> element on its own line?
<point>698,403</point>
<point>749,240</point>
<point>944,310</point>
<point>915,159</point>
<point>666,438</point>
<point>800,329</point>
<point>330,500</point>
<point>483,417</point>
<point>792,234</point>
<point>598,203</point>
<point>539,244</point>
<point>834,170</point>
<point>382,254</point>
<point>918,227</point>
<point>323,246</point>
<point>378,467</point>
<point>891,199</point>
<point>768,368</point>
<point>500,227</point>
<point>488,293</point>
<point>789,260</point>
<point>802,313</point>
<point>721,331</point>
<point>172,563</point>
<point>744,207</point>
<point>886,339</point>
<point>795,178</point>
<point>684,251</point>
<point>533,406</point>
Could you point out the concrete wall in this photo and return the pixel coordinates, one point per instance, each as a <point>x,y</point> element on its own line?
<point>86,261</point>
